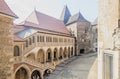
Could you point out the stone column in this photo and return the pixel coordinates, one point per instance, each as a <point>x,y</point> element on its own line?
<point>6,47</point>
<point>74,51</point>
<point>57,55</point>
<point>62,54</point>
<point>44,57</point>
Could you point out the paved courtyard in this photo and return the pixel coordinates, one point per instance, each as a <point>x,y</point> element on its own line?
<point>75,68</point>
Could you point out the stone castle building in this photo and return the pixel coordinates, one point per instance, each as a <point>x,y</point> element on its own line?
<point>32,49</point>
<point>78,27</point>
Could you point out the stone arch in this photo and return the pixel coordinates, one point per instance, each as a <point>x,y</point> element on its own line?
<point>72,53</point>
<point>36,74</point>
<point>60,53</point>
<point>31,56</point>
<point>40,56</point>
<point>22,71</point>
<point>55,57</point>
<point>49,55</point>
<point>47,72</point>
<point>69,53</point>
<point>82,51</point>
<point>16,51</point>
<point>65,52</point>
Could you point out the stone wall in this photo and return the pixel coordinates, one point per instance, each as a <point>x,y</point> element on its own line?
<point>73,29</point>
<point>83,36</point>
<point>6,47</point>
<point>94,37</point>
<point>107,23</point>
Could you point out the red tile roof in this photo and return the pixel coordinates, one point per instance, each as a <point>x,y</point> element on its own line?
<point>48,23</point>
<point>5,9</point>
<point>16,38</point>
<point>40,30</point>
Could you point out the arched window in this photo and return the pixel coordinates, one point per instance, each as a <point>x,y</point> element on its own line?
<point>16,51</point>
<point>37,38</point>
<point>26,43</point>
<point>40,38</point>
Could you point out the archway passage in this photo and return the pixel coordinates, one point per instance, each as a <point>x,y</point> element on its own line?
<point>36,75</point>
<point>60,53</point>
<point>21,74</point>
<point>46,73</point>
<point>55,54</point>
<point>49,55</point>
<point>40,56</point>
<point>82,51</point>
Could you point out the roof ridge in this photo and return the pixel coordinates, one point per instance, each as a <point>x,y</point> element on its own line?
<point>46,15</point>
<point>46,22</point>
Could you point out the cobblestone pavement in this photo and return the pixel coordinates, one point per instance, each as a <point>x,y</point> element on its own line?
<point>74,68</point>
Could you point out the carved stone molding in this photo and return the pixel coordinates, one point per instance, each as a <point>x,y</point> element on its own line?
<point>116,36</point>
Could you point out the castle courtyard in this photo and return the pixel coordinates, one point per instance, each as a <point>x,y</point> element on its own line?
<point>74,68</point>
<point>41,46</point>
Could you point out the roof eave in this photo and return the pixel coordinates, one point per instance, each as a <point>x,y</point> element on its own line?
<point>15,16</point>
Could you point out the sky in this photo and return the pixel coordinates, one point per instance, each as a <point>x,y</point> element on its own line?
<point>23,8</point>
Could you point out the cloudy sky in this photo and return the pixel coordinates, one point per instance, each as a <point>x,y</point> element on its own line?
<point>22,8</point>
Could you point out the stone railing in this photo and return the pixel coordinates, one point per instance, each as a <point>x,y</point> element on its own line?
<point>38,64</point>
<point>30,47</point>
<point>60,61</point>
<point>33,63</point>
<point>49,65</point>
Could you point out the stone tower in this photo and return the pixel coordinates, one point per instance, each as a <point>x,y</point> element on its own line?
<point>78,27</point>
<point>6,41</point>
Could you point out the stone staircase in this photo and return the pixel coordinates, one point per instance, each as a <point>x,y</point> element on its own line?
<point>38,64</point>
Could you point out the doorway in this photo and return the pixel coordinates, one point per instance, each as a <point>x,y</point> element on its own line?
<point>82,51</point>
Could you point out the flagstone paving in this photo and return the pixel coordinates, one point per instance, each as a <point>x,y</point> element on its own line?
<point>74,68</point>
